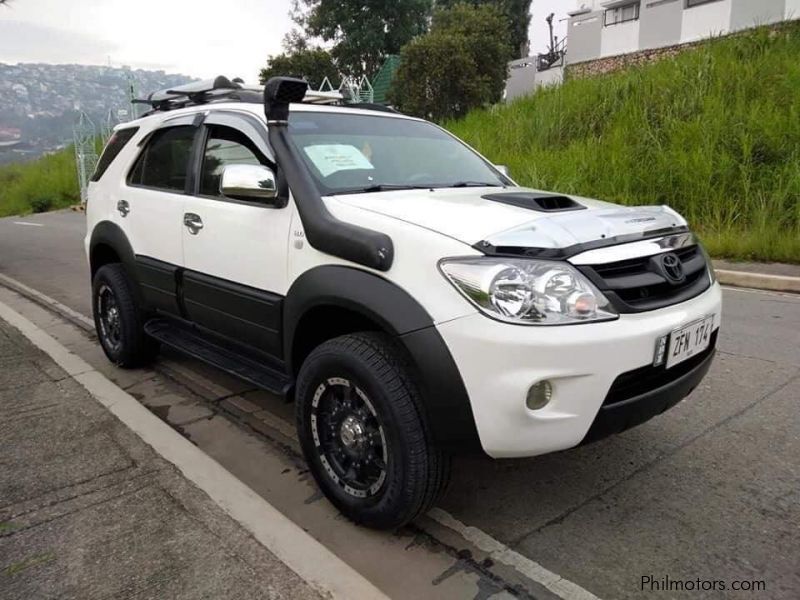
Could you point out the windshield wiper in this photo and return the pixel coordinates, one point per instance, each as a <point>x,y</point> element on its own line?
<point>462,184</point>
<point>380,187</point>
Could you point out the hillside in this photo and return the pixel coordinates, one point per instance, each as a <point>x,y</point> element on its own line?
<point>38,102</point>
<point>47,183</point>
<point>714,133</point>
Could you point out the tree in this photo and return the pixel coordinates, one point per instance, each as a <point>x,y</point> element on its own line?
<point>459,65</point>
<point>312,64</point>
<point>518,13</point>
<point>363,32</point>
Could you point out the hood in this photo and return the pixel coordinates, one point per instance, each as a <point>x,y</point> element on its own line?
<point>466,215</point>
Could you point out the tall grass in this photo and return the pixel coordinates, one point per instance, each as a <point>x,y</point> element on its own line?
<point>47,183</point>
<point>714,133</point>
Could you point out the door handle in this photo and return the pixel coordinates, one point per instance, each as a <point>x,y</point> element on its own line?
<point>123,207</point>
<point>193,223</point>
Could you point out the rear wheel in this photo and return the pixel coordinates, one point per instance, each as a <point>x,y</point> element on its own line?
<point>118,319</point>
<point>362,432</point>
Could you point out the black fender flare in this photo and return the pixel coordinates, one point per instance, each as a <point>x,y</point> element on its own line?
<point>110,234</point>
<point>446,401</point>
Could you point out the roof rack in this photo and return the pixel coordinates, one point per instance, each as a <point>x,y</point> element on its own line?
<point>223,89</point>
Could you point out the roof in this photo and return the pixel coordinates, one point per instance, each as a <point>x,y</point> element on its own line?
<point>255,107</point>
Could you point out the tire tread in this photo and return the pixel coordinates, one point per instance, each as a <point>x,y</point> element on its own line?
<point>428,467</point>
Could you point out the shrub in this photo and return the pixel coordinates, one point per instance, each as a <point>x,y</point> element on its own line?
<point>459,65</point>
<point>40,205</point>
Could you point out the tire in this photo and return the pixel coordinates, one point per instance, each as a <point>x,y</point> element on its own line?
<point>356,404</point>
<point>118,319</point>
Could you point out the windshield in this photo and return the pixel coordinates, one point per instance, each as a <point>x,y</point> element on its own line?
<point>352,153</point>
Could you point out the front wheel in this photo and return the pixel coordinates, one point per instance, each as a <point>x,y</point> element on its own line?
<point>362,434</point>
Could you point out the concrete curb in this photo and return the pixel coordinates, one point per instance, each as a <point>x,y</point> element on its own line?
<point>759,281</point>
<point>318,566</point>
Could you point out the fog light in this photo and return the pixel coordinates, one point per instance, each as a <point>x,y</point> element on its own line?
<point>661,351</point>
<point>539,395</point>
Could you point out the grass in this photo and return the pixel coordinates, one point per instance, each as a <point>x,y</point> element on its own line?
<point>28,563</point>
<point>714,133</point>
<point>7,526</point>
<point>48,183</point>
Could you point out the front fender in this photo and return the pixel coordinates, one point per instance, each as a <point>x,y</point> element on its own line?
<point>446,404</point>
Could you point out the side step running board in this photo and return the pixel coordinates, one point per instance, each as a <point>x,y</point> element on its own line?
<point>189,342</point>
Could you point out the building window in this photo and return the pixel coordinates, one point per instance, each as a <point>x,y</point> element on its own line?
<point>691,3</point>
<point>622,14</point>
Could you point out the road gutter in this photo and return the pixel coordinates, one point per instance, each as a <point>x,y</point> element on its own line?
<point>314,563</point>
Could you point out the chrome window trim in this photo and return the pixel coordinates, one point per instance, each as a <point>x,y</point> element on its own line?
<point>611,254</point>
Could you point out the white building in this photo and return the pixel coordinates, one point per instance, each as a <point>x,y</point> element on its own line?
<point>605,28</point>
<point>602,28</point>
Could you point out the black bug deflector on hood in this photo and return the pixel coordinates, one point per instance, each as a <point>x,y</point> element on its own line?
<point>323,231</point>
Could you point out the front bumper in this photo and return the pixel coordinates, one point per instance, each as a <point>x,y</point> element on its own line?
<point>615,417</point>
<point>499,362</point>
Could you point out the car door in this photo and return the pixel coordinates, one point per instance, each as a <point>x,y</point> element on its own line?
<point>151,207</point>
<point>235,251</point>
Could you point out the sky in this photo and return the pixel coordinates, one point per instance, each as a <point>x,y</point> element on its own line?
<point>200,38</point>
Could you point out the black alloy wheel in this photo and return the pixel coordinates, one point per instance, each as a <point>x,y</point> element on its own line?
<point>349,437</point>
<point>362,428</point>
<point>109,319</point>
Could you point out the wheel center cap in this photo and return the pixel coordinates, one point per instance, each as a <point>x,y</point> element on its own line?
<point>351,432</point>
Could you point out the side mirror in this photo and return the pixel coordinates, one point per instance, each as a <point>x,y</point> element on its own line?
<point>248,182</point>
<point>503,169</point>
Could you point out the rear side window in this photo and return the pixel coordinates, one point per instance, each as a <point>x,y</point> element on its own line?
<point>114,146</point>
<point>164,163</point>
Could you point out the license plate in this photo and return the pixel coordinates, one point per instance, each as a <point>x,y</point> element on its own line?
<point>689,340</point>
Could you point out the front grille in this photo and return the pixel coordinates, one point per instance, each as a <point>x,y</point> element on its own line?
<point>637,285</point>
<point>646,379</point>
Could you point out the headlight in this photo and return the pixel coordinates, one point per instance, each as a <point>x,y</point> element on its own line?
<point>527,292</point>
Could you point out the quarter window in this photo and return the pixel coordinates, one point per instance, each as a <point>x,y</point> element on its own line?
<point>621,14</point>
<point>114,146</point>
<point>164,163</point>
<point>225,146</point>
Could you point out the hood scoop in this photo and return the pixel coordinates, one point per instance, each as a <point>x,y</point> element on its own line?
<point>548,203</point>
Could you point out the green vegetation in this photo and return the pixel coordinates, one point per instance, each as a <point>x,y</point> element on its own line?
<point>29,562</point>
<point>310,62</point>
<point>516,12</point>
<point>714,133</point>
<point>360,33</point>
<point>458,65</point>
<point>7,526</point>
<point>48,183</point>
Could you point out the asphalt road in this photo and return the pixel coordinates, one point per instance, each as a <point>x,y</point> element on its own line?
<point>710,490</point>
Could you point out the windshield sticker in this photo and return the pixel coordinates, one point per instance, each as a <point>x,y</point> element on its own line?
<point>330,158</point>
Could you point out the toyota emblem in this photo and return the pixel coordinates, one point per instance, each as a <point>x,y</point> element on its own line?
<point>672,268</point>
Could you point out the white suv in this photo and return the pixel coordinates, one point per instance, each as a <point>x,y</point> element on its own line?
<point>409,297</point>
